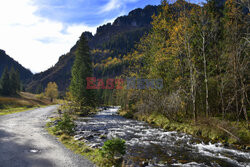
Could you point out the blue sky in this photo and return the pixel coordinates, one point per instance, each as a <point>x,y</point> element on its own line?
<point>89,12</point>
<point>37,32</point>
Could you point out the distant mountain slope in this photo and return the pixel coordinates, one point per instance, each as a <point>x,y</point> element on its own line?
<point>117,38</point>
<point>108,46</point>
<point>6,60</point>
<point>60,73</point>
<point>132,26</point>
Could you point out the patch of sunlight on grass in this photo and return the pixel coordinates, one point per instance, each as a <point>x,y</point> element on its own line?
<point>18,109</point>
<point>14,110</point>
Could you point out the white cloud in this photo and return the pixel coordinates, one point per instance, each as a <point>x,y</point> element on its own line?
<point>112,4</point>
<point>33,41</point>
<point>115,4</point>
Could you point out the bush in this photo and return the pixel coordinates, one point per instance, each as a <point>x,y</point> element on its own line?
<point>65,125</point>
<point>113,148</point>
<point>71,106</point>
<point>40,96</point>
<point>129,115</point>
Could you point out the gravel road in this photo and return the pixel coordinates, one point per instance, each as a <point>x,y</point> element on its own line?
<point>24,142</point>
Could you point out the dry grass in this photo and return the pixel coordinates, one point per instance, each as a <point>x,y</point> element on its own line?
<point>21,103</point>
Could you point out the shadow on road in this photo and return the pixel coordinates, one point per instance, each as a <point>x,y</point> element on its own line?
<point>13,154</point>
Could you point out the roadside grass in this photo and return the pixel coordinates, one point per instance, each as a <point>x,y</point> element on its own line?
<point>22,102</point>
<point>209,129</point>
<point>79,146</point>
<point>15,110</point>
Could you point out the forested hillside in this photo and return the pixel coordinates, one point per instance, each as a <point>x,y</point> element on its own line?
<point>6,61</point>
<point>200,52</point>
<point>165,85</point>
<point>202,56</point>
<point>111,41</point>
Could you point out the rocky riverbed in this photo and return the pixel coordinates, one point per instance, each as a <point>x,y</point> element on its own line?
<point>149,146</point>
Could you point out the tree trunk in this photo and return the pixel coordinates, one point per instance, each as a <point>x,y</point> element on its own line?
<point>235,88</point>
<point>243,99</point>
<point>192,84</point>
<point>222,100</point>
<point>205,73</point>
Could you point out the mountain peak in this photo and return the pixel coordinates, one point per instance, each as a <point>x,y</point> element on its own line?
<point>2,52</point>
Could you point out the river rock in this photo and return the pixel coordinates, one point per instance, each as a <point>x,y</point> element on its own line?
<point>146,142</point>
<point>247,147</point>
<point>89,137</point>
<point>78,137</point>
<point>94,145</point>
<point>144,163</point>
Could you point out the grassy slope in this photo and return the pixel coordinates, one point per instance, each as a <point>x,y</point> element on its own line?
<point>23,102</point>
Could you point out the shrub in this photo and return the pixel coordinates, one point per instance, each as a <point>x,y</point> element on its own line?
<point>65,125</point>
<point>112,148</point>
<point>71,106</point>
<point>129,115</point>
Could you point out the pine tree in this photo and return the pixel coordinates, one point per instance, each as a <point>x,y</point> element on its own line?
<point>81,70</point>
<point>14,81</point>
<point>5,83</point>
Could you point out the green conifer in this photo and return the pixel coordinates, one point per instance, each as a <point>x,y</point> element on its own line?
<point>14,81</point>
<point>5,83</point>
<point>81,70</point>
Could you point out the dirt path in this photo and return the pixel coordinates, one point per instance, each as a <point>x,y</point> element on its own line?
<point>24,142</point>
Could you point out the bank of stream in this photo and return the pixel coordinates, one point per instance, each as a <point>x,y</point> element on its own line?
<point>152,146</point>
